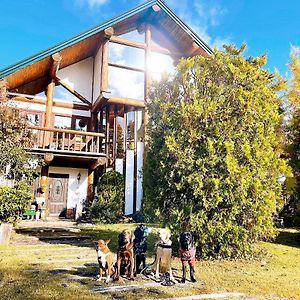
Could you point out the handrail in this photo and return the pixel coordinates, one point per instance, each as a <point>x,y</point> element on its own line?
<point>67,140</point>
<point>70,131</point>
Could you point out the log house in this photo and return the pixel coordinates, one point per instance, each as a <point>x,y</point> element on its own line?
<point>85,101</point>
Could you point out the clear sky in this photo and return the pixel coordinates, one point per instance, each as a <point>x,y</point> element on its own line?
<point>267,26</point>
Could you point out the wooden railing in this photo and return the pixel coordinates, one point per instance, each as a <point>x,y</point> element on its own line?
<point>66,140</point>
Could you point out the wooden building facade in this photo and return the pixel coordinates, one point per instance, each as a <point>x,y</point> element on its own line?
<point>85,101</point>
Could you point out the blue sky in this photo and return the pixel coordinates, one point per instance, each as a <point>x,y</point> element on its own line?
<point>267,26</point>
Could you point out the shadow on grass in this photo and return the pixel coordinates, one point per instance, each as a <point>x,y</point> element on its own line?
<point>288,238</point>
<point>89,234</point>
<point>46,284</point>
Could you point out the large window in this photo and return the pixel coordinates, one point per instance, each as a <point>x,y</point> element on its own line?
<point>126,56</point>
<point>126,71</point>
<point>126,83</point>
<point>134,36</point>
<point>160,64</point>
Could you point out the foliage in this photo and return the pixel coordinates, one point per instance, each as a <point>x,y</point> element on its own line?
<point>213,162</point>
<point>109,207</point>
<point>13,201</point>
<point>14,138</point>
<point>293,127</point>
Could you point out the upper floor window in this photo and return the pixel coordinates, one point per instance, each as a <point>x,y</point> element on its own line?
<point>158,64</point>
<point>134,36</point>
<point>33,119</point>
<point>126,71</point>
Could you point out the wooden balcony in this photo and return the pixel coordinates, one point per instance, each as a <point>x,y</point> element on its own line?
<point>67,142</point>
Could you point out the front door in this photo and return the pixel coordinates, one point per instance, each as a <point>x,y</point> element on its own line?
<point>58,194</point>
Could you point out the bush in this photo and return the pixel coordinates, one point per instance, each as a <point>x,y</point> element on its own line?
<point>13,201</point>
<point>109,207</point>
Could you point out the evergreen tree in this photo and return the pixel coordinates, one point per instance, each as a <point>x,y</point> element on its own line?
<point>293,128</point>
<point>213,162</point>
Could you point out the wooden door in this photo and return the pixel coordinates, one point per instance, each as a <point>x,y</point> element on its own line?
<point>58,194</point>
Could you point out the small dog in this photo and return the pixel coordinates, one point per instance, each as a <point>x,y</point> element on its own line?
<point>140,247</point>
<point>125,255</point>
<point>163,254</point>
<point>105,260</point>
<point>187,255</point>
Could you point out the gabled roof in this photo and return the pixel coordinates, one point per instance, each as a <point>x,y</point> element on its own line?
<point>94,35</point>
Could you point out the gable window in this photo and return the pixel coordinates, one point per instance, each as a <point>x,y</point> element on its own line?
<point>126,71</point>
<point>159,64</point>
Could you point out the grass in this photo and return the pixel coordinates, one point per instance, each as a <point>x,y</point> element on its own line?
<point>67,271</point>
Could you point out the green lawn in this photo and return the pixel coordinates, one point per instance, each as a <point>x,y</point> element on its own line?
<point>67,271</point>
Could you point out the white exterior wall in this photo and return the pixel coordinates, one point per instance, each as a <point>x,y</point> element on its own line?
<point>129,180</point>
<point>77,191</point>
<point>119,165</point>
<point>139,181</point>
<point>97,74</point>
<point>79,76</point>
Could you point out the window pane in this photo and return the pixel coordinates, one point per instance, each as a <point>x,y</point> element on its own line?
<point>120,137</point>
<point>159,64</point>
<point>126,83</point>
<point>33,119</point>
<point>130,130</point>
<point>62,94</point>
<point>126,56</point>
<point>134,36</point>
<point>62,122</point>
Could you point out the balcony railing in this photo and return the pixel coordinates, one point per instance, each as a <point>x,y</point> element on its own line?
<point>68,141</point>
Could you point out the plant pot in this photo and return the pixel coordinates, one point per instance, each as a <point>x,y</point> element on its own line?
<point>5,233</point>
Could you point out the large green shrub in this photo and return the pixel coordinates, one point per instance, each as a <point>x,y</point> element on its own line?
<point>214,151</point>
<point>109,207</point>
<point>13,201</point>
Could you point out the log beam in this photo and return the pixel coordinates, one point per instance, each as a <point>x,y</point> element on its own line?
<point>56,59</point>
<point>109,32</point>
<point>101,161</point>
<point>100,102</point>
<point>126,101</point>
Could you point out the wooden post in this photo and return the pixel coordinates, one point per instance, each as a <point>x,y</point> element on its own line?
<point>90,191</point>
<point>56,59</point>
<point>115,133</point>
<point>104,66</point>
<point>44,183</point>
<point>107,133</point>
<point>48,115</point>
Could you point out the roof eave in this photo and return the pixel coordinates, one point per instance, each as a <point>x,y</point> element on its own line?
<point>86,34</point>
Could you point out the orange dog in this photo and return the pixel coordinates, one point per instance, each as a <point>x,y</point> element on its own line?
<point>105,260</point>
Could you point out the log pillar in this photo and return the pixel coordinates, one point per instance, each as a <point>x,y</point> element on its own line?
<point>44,183</point>
<point>48,115</point>
<point>90,191</point>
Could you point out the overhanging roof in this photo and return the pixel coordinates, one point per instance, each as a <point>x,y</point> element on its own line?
<point>94,35</point>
